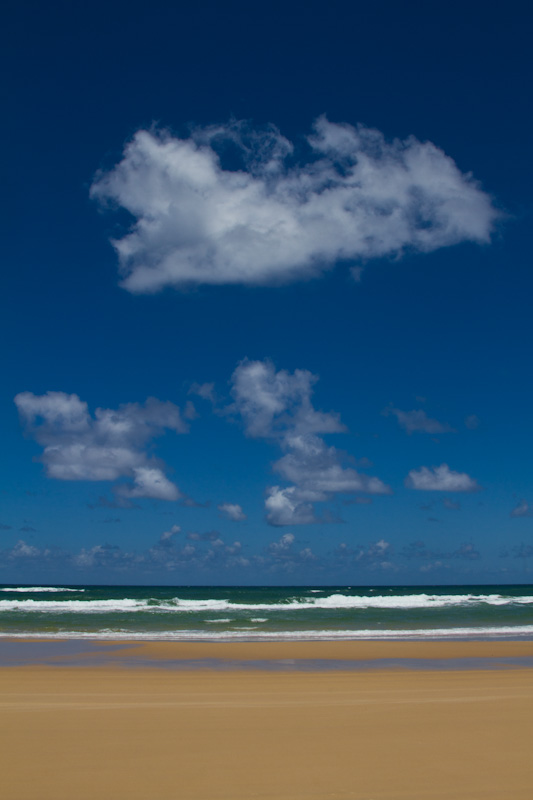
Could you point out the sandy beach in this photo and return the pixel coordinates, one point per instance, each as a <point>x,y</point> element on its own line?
<point>153,733</point>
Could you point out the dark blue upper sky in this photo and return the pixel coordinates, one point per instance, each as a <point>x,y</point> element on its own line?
<point>259,277</point>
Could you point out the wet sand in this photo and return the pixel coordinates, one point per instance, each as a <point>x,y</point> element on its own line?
<point>147,733</point>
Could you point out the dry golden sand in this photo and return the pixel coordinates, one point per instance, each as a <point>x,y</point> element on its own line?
<point>117,733</point>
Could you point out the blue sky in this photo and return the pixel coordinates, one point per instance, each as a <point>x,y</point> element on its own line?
<point>267,291</point>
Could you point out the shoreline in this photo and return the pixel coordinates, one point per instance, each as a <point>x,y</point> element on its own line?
<point>355,654</point>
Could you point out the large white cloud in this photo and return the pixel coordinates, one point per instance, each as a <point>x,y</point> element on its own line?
<point>278,405</point>
<point>274,218</point>
<point>109,446</point>
<point>440,479</point>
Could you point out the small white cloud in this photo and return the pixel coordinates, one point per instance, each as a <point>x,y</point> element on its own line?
<point>283,555</point>
<point>23,550</point>
<point>522,509</point>
<point>418,421</point>
<point>315,468</point>
<point>167,536</point>
<point>232,511</point>
<point>451,505</point>
<point>440,479</point>
<point>374,556</point>
<point>150,482</point>
<point>89,558</point>
<point>283,544</point>
<point>353,197</point>
<point>289,506</point>
<point>190,412</point>
<point>204,390</point>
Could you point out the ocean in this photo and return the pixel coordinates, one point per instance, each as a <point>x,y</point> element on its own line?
<point>267,613</point>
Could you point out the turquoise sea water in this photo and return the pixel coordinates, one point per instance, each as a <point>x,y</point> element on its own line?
<point>266,613</point>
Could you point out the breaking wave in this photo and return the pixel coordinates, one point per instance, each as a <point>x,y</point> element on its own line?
<point>331,603</point>
<point>30,589</point>
<point>499,632</point>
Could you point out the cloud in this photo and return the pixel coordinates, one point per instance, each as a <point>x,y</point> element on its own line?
<point>522,550</point>
<point>202,553</point>
<point>272,402</point>
<point>284,555</point>
<point>167,554</point>
<point>276,216</point>
<point>418,421</point>
<point>289,506</point>
<point>208,554</point>
<point>440,479</point>
<point>108,446</point>
<point>104,556</point>
<point>316,468</point>
<point>167,536</point>
<point>375,556</point>
<point>283,545</point>
<point>204,390</point>
<point>277,405</point>
<point>419,550</point>
<point>206,536</point>
<point>114,503</point>
<point>190,502</point>
<point>522,509</point>
<point>190,412</point>
<point>466,551</point>
<point>472,422</point>
<point>232,511</point>
<point>24,552</point>
<point>451,505</point>
<point>150,482</point>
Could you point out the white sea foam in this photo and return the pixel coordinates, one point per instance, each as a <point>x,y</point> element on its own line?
<point>331,602</point>
<point>75,606</point>
<point>490,632</point>
<point>29,589</point>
